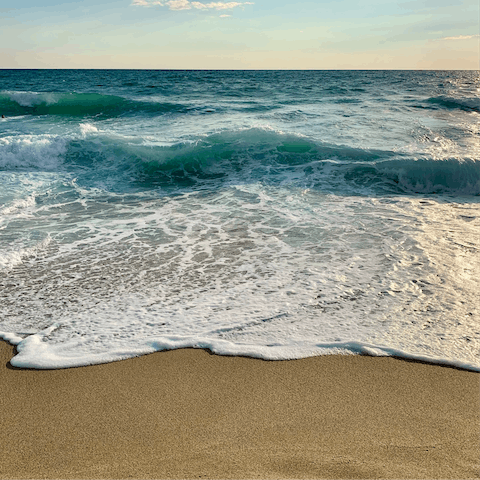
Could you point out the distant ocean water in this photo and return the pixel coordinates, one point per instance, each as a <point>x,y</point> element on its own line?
<point>274,214</point>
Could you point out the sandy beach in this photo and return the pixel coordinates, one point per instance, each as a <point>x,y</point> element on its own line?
<point>190,414</point>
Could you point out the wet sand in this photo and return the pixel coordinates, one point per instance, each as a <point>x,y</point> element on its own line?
<point>189,414</point>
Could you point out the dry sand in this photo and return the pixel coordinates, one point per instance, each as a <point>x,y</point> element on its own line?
<point>189,414</point>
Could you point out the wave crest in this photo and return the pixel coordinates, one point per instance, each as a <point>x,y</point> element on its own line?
<point>79,104</point>
<point>468,104</point>
<point>234,157</point>
<point>423,176</point>
<point>44,152</point>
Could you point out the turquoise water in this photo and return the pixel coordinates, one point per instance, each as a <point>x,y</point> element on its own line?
<point>276,214</point>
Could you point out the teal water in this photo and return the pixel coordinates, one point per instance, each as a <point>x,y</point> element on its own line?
<point>277,214</point>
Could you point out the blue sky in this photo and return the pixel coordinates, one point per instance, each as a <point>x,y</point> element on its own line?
<point>255,34</point>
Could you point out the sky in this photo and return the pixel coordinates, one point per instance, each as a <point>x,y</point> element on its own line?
<point>256,34</point>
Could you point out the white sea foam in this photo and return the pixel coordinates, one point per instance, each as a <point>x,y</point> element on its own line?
<point>11,338</point>
<point>17,253</point>
<point>243,272</point>
<point>30,99</point>
<point>34,352</point>
<point>18,206</point>
<point>86,128</point>
<point>39,151</point>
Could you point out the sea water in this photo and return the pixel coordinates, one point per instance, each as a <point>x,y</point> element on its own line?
<point>273,214</point>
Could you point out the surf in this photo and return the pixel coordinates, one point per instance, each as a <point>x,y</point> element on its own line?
<point>245,156</point>
<point>81,105</point>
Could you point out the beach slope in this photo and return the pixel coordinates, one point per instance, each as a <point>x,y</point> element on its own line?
<point>189,414</point>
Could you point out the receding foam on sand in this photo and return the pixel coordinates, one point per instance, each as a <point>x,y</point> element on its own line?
<point>189,414</point>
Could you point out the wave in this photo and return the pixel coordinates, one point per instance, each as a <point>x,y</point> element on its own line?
<point>80,104</point>
<point>18,206</point>
<point>423,176</point>
<point>469,104</point>
<point>38,152</point>
<point>232,157</point>
<point>34,351</point>
<point>274,158</point>
<point>16,254</point>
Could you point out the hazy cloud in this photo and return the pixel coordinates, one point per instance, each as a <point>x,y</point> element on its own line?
<point>187,5</point>
<point>222,5</point>
<point>461,37</point>
<point>146,3</point>
<point>178,5</point>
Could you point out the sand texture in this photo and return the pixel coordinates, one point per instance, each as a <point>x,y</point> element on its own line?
<point>189,414</point>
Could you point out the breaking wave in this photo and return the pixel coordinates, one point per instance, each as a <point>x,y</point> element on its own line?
<point>247,156</point>
<point>80,104</point>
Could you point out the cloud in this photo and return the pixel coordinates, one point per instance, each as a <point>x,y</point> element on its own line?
<point>179,5</point>
<point>461,37</point>
<point>220,5</point>
<point>146,3</point>
<point>187,5</point>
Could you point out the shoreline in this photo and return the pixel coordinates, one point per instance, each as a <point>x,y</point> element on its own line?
<point>188,414</point>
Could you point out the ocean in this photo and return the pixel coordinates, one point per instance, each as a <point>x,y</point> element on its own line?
<point>271,214</point>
